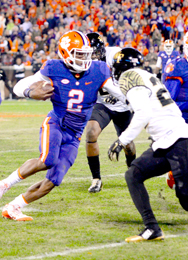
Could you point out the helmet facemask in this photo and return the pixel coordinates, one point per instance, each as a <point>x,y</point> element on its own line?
<point>97,54</point>
<point>80,59</point>
<point>168,47</point>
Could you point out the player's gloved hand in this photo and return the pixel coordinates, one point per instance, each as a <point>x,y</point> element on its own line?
<point>111,100</point>
<point>114,150</point>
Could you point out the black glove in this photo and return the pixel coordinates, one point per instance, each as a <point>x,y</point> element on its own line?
<point>111,100</point>
<point>115,148</point>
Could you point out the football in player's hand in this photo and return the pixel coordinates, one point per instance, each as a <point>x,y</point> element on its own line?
<point>41,90</point>
<point>47,86</point>
<point>42,85</point>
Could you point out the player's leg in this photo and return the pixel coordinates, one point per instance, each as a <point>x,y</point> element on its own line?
<point>53,178</point>
<point>66,157</point>
<point>178,159</point>
<point>121,121</point>
<point>92,150</point>
<point>27,169</point>
<point>50,143</point>
<point>38,190</point>
<point>146,166</point>
<point>100,118</point>
<point>49,153</point>
<point>12,210</point>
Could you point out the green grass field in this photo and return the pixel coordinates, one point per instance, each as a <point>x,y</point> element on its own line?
<point>69,223</point>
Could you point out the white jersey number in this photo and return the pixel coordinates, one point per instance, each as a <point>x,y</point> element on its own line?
<point>75,101</point>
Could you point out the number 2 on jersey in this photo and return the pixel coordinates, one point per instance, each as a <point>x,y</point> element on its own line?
<point>77,98</point>
<point>162,94</point>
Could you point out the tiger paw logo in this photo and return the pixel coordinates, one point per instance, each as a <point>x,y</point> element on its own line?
<point>169,68</point>
<point>65,42</point>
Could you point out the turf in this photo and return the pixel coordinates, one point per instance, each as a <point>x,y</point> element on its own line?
<point>71,221</point>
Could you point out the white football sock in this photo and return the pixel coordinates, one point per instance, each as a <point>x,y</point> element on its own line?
<point>13,178</point>
<point>20,201</point>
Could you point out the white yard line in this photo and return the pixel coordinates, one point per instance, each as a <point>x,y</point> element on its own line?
<point>19,130</point>
<point>23,103</point>
<point>30,209</point>
<point>85,249</point>
<point>15,151</point>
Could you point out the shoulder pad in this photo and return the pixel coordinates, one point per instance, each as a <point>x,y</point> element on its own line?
<point>130,79</point>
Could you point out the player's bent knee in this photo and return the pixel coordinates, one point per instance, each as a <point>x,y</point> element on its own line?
<point>133,174</point>
<point>40,164</point>
<point>92,131</point>
<point>52,162</point>
<point>91,135</point>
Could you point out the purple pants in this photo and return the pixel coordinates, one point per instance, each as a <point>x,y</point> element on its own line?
<point>58,148</point>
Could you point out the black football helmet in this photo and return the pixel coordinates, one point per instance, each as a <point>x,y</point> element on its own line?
<point>97,43</point>
<point>125,59</point>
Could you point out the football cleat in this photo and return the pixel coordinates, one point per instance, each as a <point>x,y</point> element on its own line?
<point>14,212</point>
<point>96,186</point>
<point>147,235</point>
<point>170,180</point>
<point>3,188</point>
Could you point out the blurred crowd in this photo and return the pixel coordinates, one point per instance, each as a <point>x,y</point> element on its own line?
<point>30,29</point>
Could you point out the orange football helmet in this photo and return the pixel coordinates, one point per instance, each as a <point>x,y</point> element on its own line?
<point>168,46</point>
<point>75,50</point>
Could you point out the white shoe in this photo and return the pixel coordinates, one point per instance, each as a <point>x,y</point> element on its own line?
<point>14,212</point>
<point>3,188</point>
<point>96,186</point>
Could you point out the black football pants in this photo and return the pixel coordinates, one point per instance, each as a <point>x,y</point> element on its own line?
<point>151,164</point>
